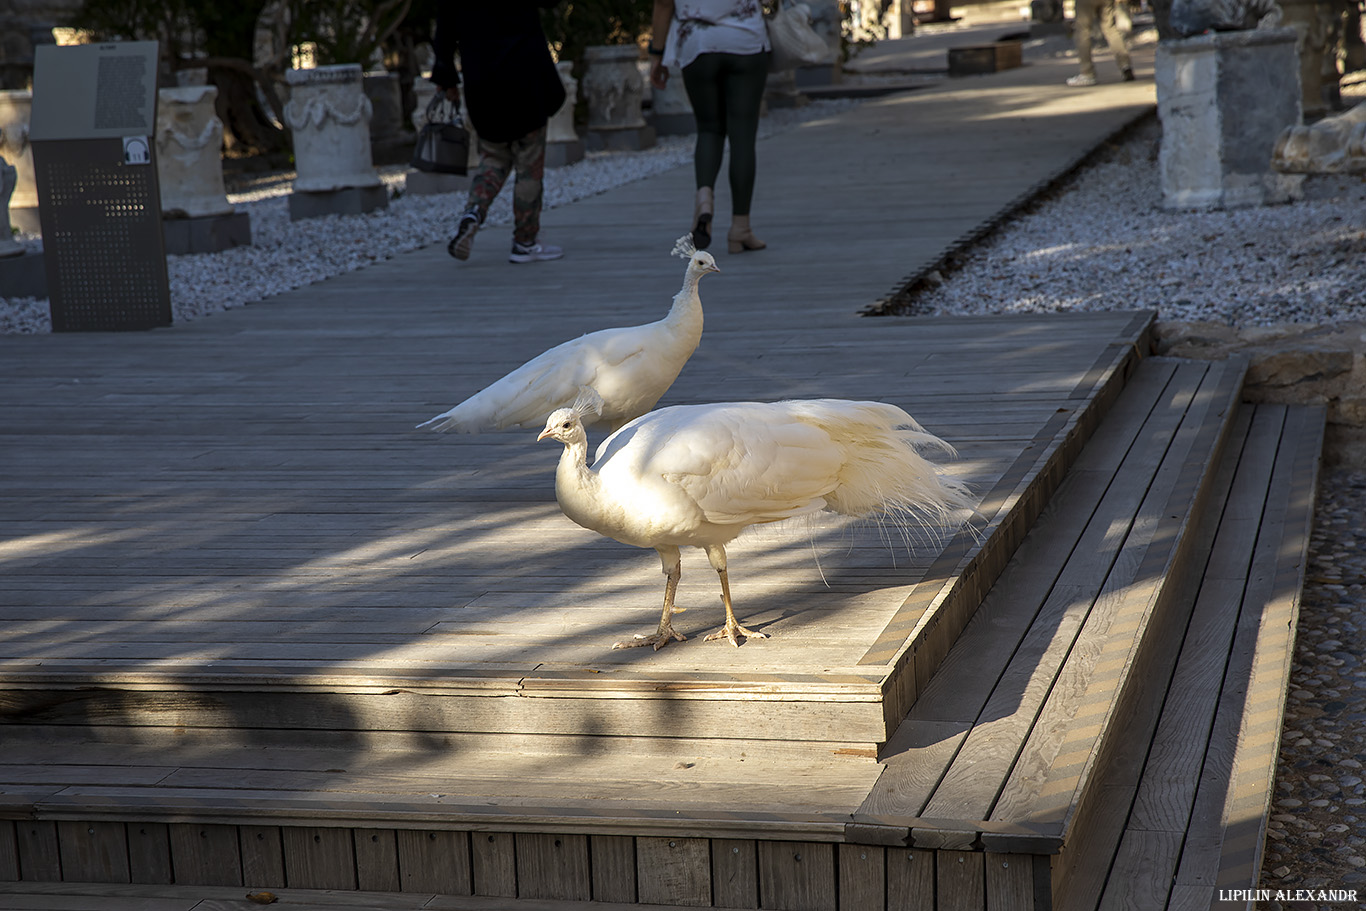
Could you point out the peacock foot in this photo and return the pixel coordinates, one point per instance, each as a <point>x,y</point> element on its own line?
<point>733,632</point>
<point>658,640</point>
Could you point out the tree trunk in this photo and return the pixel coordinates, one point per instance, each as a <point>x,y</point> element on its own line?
<point>247,130</point>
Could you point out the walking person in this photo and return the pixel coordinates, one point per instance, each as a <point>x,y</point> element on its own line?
<point>1088,13</point>
<point>511,91</point>
<point>723,50</point>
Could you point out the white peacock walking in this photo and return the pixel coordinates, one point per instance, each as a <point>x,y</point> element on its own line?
<point>699,475</point>
<point>630,368</point>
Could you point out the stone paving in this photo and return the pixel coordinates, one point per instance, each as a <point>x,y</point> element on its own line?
<point>1317,835</point>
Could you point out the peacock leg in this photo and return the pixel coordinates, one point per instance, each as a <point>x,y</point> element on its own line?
<point>732,630</point>
<point>673,570</point>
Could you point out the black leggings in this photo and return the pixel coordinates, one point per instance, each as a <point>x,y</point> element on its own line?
<point>726,91</point>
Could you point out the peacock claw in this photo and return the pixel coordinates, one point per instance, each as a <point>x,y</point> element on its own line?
<point>658,640</point>
<point>733,633</point>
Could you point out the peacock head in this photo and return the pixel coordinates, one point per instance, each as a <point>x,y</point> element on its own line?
<point>566,424</point>
<point>700,262</point>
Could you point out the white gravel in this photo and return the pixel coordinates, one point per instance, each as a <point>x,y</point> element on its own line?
<point>1101,242</point>
<point>288,254</point>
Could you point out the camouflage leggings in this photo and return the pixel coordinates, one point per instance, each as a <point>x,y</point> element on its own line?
<point>499,159</point>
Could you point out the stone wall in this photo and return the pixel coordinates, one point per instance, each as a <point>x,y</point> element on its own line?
<point>1292,363</point>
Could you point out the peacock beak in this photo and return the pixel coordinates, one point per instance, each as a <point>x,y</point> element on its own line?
<point>544,433</point>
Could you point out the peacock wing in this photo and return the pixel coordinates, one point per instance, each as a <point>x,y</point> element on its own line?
<point>740,463</point>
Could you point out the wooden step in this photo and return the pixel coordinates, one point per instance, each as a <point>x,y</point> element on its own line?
<point>1003,749</point>
<point>1183,820</point>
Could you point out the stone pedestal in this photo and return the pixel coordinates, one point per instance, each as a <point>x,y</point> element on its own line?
<point>780,91</point>
<point>1224,98</point>
<point>670,109</point>
<point>22,272</point>
<point>15,110</point>
<point>196,214</point>
<point>329,115</point>
<point>429,183</point>
<point>386,104</point>
<point>562,143</point>
<point>614,91</point>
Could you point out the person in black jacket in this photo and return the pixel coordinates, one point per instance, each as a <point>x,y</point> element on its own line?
<point>511,90</point>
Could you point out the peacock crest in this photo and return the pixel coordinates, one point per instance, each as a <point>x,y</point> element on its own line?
<point>683,247</point>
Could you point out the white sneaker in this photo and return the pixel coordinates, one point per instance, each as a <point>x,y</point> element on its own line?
<point>535,253</point>
<point>1081,80</point>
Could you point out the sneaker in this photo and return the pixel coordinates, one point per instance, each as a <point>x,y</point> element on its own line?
<point>533,253</point>
<point>1080,80</point>
<point>1128,74</point>
<point>463,241</point>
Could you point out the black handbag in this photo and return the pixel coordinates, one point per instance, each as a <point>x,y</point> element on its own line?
<point>443,144</point>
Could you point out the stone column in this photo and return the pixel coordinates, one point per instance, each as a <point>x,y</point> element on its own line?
<point>329,116</point>
<point>16,108</point>
<point>1224,98</point>
<point>428,183</point>
<point>562,143</point>
<point>196,214</point>
<point>614,90</point>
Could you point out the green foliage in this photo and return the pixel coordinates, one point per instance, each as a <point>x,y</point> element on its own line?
<point>573,25</point>
<point>346,31</point>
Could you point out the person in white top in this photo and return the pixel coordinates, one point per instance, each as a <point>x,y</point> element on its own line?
<point>723,50</point>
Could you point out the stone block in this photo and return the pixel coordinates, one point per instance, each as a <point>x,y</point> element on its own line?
<point>429,183</point>
<point>346,201</point>
<point>977,59</point>
<point>23,276</point>
<point>1303,365</point>
<point>206,233</point>
<point>628,139</point>
<point>1224,99</point>
<point>559,154</point>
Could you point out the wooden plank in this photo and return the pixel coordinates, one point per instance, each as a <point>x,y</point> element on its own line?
<point>319,858</point>
<point>862,877</point>
<point>377,860</point>
<point>206,855</point>
<point>614,867</point>
<point>1248,720</point>
<point>910,880</point>
<point>149,853</point>
<point>797,876</point>
<point>1009,882</point>
<point>735,873</point>
<point>9,852</point>
<point>553,866</point>
<point>494,864</point>
<point>263,856</point>
<point>435,861</point>
<point>39,852</point>
<point>1096,690</point>
<point>960,881</point>
<point>676,870</point>
<point>94,852</point>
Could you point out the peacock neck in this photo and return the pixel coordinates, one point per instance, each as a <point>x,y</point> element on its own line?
<point>576,485</point>
<point>687,306</point>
